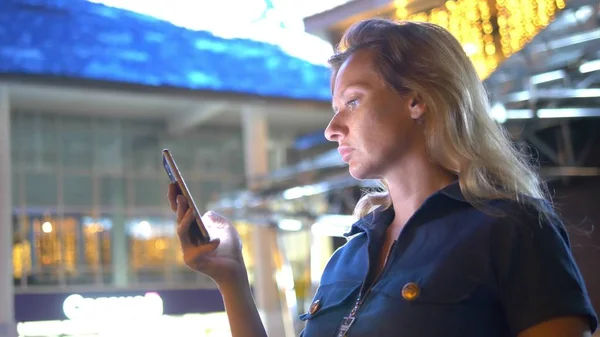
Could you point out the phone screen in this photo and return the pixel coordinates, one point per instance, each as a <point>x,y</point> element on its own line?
<point>197,232</point>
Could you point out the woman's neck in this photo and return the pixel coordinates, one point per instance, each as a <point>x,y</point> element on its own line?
<point>411,183</point>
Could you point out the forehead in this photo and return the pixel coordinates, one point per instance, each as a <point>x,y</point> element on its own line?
<point>358,68</point>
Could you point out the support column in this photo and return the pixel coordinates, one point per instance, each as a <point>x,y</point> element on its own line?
<point>256,146</point>
<point>118,240</point>
<point>256,135</point>
<point>7,316</point>
<point>120,262</point>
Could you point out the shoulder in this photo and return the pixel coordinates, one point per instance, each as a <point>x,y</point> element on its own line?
<point>535,269</point>
<point>530,221</point>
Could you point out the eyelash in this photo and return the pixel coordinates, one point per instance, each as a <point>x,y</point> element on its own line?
<point>352,103</point>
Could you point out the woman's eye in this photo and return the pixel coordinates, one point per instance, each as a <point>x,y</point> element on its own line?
<point>352,103</point>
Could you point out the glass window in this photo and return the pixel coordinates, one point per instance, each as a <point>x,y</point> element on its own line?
<point>15,155</point>
<point>54,245</point>
<point>21,256</point>
<point>141,150</point>
<point>210,190</point>
<point>47,141</point>
<point>205,159</point>
<point>150,191</point>
<point>40,189</point>
<point>17,135</point>
<point>78,189</point>
<point>69,228</point>
<point>181,151</point>
<point>121,159</point>
<point>146,155</point>
<point>21,137</point>
<point>25,146</point>
<point>96,243</point>
<point>15,186</point>
<point>108,155</point>
<point>110,126</point>
<point>112,191</point>
<point>196,191</point>
<point>235,162</point>
<point>153,248</point>
<point>77,143</point>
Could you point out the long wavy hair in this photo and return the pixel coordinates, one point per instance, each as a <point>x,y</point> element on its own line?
<point>461,135</point>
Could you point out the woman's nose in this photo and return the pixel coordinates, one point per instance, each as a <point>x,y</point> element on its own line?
<point>334,130</point>
<point>331,133</point>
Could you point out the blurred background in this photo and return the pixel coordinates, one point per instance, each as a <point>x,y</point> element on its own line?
<point>92,91</point>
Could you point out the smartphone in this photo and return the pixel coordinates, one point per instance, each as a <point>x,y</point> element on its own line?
<point>197,232</point>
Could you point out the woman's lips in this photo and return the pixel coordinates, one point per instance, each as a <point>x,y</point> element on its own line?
<point>345,152</point>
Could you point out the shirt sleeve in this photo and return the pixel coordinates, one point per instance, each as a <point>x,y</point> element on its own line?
<point>539,279</point>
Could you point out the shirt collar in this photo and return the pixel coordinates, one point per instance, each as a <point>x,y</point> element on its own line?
<point>377,221</point>
<point>453,191</point>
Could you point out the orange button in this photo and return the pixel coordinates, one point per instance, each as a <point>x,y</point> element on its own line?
<point>410,291</point>
<point>314,307</point>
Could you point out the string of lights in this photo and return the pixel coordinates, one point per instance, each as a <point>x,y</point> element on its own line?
<point>489,31</point>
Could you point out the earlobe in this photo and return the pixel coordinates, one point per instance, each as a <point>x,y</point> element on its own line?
<point>417,109</point>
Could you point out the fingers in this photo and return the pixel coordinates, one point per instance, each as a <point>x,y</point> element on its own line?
<point>183,225</point>
<point>205,248</point>
<point>194,256</point>
<point>172,195</point>
<point>182,207</point>
<point>183,232</point>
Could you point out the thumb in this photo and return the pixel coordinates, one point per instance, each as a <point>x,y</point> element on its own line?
<point>205,248</point>
<point>216,218</point>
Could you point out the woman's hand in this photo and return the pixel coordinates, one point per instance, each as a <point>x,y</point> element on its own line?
<point>221,258</point>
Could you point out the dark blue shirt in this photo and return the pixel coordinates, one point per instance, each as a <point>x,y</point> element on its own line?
<point>455,271</point>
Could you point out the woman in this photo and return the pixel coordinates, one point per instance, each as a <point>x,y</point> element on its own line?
<point>462,242</point>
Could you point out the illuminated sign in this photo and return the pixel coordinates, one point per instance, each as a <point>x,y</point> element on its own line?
<point>35,307</point>
<point>191,325</point>
<point>77,307</point>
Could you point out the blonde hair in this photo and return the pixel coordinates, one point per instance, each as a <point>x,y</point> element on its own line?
<point>461,135</point>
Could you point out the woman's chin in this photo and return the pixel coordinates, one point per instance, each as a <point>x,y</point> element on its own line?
<point>358,171</point>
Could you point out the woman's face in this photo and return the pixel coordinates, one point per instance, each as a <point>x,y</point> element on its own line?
<point>374,126</point>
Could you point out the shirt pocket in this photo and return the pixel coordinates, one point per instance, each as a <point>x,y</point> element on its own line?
<point>332,297</point>
<point>424,290</point>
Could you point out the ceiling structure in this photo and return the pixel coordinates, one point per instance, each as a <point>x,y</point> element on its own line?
<point>547,94</point>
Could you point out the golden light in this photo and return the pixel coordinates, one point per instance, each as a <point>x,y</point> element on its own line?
<point>472,23</point>
<point>47,227</point>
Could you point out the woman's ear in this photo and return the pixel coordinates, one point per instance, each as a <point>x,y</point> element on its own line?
<point>416,107</point>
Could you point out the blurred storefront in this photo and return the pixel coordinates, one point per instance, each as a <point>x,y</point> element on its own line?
<point>89,97</point>
<point>80,183</point>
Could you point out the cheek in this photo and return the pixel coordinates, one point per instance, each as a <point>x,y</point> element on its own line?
<point>390,140</point>
<point>379,132</point>
<point>370,127</point>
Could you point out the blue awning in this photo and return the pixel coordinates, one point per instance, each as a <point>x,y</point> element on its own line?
<point>83,40</point>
